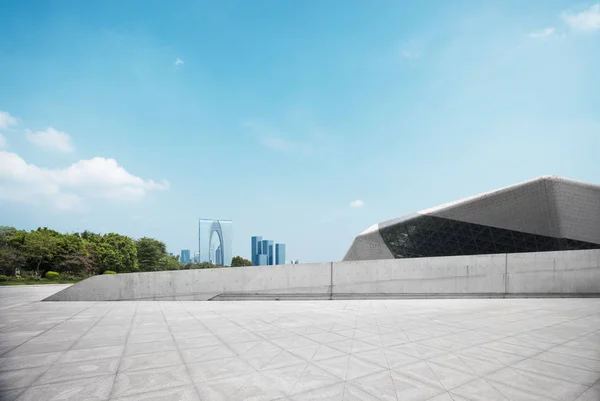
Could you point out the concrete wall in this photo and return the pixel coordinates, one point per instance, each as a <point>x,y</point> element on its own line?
<point>544,273</point>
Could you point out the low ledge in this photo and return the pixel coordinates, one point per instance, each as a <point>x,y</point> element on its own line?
<point>366,296</point>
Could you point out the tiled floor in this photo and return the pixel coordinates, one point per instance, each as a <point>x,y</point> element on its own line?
<point>438,350</point>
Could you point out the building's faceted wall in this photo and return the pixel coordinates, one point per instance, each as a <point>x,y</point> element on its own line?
<point>545,214</point>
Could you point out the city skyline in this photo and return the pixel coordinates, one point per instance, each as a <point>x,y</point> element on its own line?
<point>266,252</point>
<point>307,121</point>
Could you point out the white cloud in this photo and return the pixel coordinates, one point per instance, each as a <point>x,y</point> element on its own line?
<point>67,188</point>
<point>588,20</point>
<point>544,33</point>
<point>6,120</point>
<point>2,141</point>
<point>357,203</point>
<point>51,139</point>
<point>178,61</point>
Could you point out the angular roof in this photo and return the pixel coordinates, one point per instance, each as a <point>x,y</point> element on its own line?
<point>546,206</point>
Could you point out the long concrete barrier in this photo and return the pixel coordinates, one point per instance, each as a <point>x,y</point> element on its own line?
<point>570,273</point>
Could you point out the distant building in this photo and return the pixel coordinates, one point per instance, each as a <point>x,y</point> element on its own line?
<point>256,249</point>
<point>185,256</point>
<point>267,249</point>
<point>263,252</point>
<point>261,260</point>
<point>280,254</point>
<point>215,229</point>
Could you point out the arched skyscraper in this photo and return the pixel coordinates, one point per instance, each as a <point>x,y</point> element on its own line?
<point>207,229</point>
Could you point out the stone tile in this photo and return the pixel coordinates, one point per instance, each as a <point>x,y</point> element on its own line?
<point>207,353</point>
<point>591,394</point>
<point>353,393</point>
<point>379,384</point>
<point>132,363</point>
<point>85,342</point>
<point>186,393</point>
<point>10,395</point>
<point>421,372</point>
<point>262,350</point>
<point>569,360</point>
<point>96,388</point>
<point>147,338</point>
<point>21,378</point>
<point>90,354</point>
<point>313,378</point>
<point>79,370</point>
<point>221,389</point>
<point>482,390</point>
<point>328,393</point>
<point>40,348</point>
<point>198,342</point>
<point>579,352</point>
<point>28,361</point>
<point>149,380</point>
<point>537,384</point>
<point>219,369</point>
<point>150,348</point>
<point>563,372</point>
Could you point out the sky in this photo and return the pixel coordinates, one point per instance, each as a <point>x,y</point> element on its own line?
<point>302,121</point>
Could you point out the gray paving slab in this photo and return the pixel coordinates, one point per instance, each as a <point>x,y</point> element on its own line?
<point>419,350</point>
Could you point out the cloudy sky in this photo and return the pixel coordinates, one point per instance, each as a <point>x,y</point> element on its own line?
<point>303,121</point>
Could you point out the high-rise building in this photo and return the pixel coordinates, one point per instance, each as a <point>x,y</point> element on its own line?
<point>185,256</point>
<point>261,260</point>
<point>256,249</point>
<point>267,249</point>
<point>218,256</point>
<point>279,254</point>
<point>273,254</point>
<point>206,233</point>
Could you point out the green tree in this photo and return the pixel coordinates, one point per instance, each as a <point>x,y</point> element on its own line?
<point>77,263</point>
<point>39,247</point>
<point>11,259</point>
<point>116,252</point>
<point>149,253</point>
<point>168,262</point>
<point>238,261</point>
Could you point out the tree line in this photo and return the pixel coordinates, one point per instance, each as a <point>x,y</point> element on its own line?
<point>84,254</point>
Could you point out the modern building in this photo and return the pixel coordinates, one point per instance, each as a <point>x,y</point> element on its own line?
<point>185,256</point>
<point>544,214</point>
<point>256,249</point>
<point>280,254</point>
<point>263,252</point>
<point>211,233</point>
<point>267,249</point>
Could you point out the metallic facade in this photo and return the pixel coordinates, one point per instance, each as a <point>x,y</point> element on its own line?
<point>223,230</point>
<point>545,214</point>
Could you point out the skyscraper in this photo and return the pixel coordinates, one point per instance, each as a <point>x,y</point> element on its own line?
<point>267,249</point>
<point>215,229</point>
<point>256,249</point>
<point>185,256</point>
<point>263,252</point>
<point>279,254</point>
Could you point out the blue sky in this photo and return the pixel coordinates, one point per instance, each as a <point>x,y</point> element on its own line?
<point>139,117</point>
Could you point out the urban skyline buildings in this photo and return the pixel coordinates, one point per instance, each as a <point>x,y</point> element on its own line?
<point>210,230</point>
<point>185,256</point>
<point>263,252</point>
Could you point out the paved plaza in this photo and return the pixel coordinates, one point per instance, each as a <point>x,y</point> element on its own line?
<point>435,349</point>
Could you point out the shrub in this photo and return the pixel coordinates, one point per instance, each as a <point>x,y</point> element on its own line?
<point>110,272</point>
<point>52,275</point>
<point>66,277</point>
<point>3,278</point>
